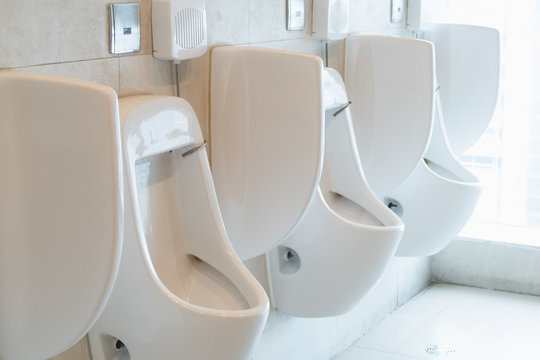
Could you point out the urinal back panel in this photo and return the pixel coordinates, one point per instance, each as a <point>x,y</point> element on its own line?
<point>61,211</point>
<point>267,141</point>
<point>468,63</point>
<point>391,83</point>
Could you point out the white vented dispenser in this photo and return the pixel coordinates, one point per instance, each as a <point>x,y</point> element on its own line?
<point>330,19</point>
<point>179,29</point>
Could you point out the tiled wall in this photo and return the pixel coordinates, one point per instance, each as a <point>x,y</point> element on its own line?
<point>489,265</point>
<point>70,38</point>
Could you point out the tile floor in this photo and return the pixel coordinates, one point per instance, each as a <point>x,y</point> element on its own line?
<point>458,323</point>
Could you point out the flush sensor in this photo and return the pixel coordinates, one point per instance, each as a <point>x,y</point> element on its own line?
<point>125,28</point>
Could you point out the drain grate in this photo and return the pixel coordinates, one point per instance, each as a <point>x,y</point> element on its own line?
<point>440,350</point>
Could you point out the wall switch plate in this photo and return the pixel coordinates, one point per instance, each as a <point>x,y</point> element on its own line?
<point>296,15</point>
<point>397,11</point>
<point>125,28</point>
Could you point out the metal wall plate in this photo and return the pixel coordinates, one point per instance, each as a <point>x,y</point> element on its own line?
<point>296,15</point>
<point>397,11</point>
<point>125,28</point>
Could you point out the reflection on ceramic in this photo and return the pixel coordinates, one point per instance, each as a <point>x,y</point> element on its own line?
<point>61,214</point>
<point>468,69</point>
<point>437,199</point>
<point>267,136</point>
<point>181,286</point>
<point>391,83</point>
<point>347,238</point>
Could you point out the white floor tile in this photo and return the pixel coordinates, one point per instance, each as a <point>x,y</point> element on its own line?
<point>469,332</point>
<point>469,323</point>
<point>520,341</point>
<point>394,331</point>
<point>356,353</point>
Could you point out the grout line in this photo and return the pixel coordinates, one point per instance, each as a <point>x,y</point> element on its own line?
<point>69,62</point>
<point>422,327</point>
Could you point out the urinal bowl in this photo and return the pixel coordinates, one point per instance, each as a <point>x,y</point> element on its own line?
<point>181,293</point>
<point>435,202</point>
<point>333,259</point>
<point>347,238</point>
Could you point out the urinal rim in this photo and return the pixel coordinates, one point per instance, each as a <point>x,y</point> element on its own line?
<point>399,226</point>
<point>474,183</point>
<point>130,158</point>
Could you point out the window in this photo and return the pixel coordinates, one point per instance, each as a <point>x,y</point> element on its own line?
<point>507,158</point>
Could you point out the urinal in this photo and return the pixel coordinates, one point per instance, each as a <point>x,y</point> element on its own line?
<point>347,239</point>
<point>437,199</point>
<point>445,192</point>
<point>182,292</point>
<point>391,83</point>
<point>61,210</point>
<point>273,128</point>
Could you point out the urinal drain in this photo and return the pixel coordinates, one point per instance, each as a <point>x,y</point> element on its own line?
<point>440,350</point>
<point>394,205</point>
<point>119,345</point>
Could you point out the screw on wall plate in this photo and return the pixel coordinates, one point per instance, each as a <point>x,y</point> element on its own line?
<point>441,350</point>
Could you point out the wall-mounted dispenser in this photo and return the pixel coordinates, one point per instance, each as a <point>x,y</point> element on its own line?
<point>330,19</point>
<point>179,29</point>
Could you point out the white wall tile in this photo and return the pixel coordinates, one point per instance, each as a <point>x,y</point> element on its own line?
<point>298,339</point>
<point>267,21</point>
<point>489,265</point>
<point>304,45</point>
<point>101,71</point>
<point>227,22</point>
<point>145,75</point>
<point>374,307</point>
<point>194,77</point>
<point>371,15</point>
<point>51,31</point>
<point>413,275</point>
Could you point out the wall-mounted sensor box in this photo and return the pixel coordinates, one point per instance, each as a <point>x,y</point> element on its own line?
<point>125,28</point>
<point>179,29</point>
<point>330,19</point>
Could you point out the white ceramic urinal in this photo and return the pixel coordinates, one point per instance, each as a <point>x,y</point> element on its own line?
<point>267,141</point>
<point>269,110</point>
<point>348,237</point>
<point>61,214</point>
<point>437,199</point>
<point>391,83</point>
<point>182,292</point>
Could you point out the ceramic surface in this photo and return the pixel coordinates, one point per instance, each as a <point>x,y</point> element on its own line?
<point>61,214</point>
<point>180,285</point>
